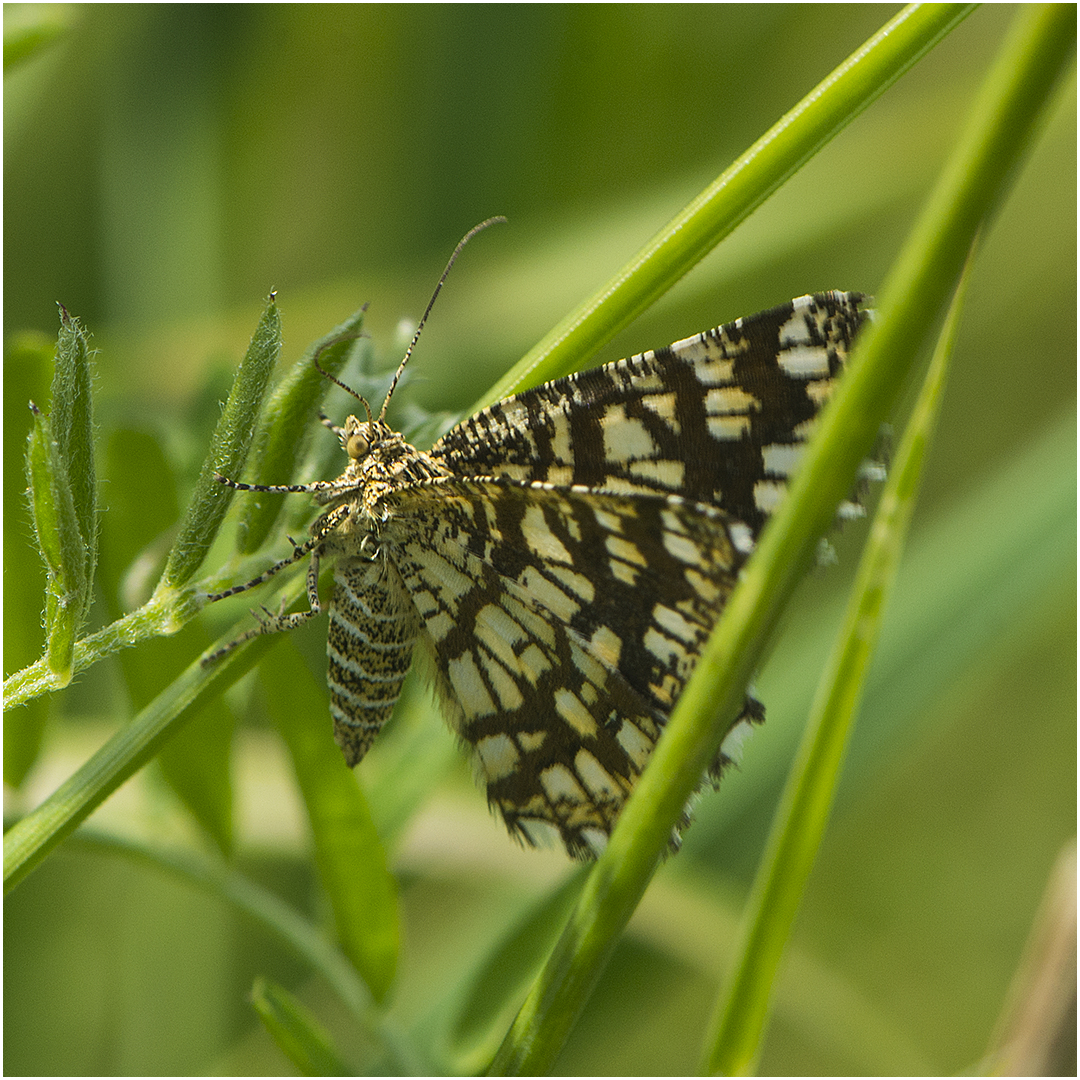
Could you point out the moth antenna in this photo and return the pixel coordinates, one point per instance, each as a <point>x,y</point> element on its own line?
<point>334,379</point>
<point>431,303</point>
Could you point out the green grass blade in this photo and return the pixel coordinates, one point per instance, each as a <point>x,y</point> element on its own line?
<point>963,589</point>
<point>1022,80</point>
<point>735,1039</point>
<point>734,195</point>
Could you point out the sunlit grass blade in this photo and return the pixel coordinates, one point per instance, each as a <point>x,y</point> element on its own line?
<point>916,293</point>
<point>735,1039</point>
<point>734,195</point>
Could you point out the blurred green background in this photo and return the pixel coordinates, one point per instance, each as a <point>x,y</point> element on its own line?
<point>167,166</point>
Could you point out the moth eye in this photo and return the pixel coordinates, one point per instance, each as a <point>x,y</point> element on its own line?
<point>357,446</point>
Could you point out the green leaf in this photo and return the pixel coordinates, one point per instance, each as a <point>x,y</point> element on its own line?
<point>61,544</point>
<point>228,452</point>
<point>286,426</point>
<point>296,1031</point>
<point>348,852</point>
<point>72,416</point>
<point>63,497</point>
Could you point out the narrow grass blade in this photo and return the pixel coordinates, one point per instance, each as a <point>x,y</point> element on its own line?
<point>735,1038</point>
<point>734,195</point>
<point>1022,80</point>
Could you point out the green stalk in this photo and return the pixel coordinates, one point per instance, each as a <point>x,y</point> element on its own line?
<point>735,1038</point>
<point>28,841</point>
<point>162,614</point>
<point>742,187</point>
<point>1034,55</point>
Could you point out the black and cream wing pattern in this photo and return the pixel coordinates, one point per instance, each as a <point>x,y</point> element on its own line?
<point>559,559</point>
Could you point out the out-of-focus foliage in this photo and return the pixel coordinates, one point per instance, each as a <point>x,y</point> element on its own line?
<point>165,167</point>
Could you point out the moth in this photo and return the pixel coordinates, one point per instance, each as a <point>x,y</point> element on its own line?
<point>560,558</point>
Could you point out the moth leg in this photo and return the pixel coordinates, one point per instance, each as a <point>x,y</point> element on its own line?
<point>274,624</point>
<point>299,551</point>
<point>279,623</point>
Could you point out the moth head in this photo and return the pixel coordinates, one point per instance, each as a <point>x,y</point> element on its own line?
<point>356,438</point>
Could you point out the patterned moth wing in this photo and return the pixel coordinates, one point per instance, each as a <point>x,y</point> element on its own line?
<point>561,624</point>
<point>560,558</point>
<point>630,495</point>
<point>719,418</point>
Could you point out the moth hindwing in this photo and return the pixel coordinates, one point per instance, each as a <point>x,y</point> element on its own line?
<point>561,557</point>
